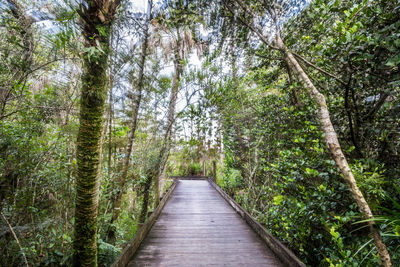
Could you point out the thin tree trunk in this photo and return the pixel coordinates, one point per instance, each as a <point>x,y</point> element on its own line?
<point>161,184</point>
<point>94,16</point>
<point>236,127</point>
<point>334,148</point>
<point>117,200</point>
<point>115,156</point>
<point>164,152</point>
<point>157,195</point>
<point>16,238</point>
<point>110,110</point>
<point>171,119</point>
<point>350,118</point>
<point>69,172</point>
<point>110,120</point>
<point>221,141</point>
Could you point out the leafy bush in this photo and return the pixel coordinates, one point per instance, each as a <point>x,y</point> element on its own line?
<point>194,169</point>
<point>107,253</point>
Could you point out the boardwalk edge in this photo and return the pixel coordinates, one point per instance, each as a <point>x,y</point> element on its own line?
<point>128,252</point>
<point>281,251</point>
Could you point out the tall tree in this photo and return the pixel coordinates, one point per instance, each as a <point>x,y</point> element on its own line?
<point>164,152</point>
<point>176,37</point>
<point>135,105</point>
<point>97,17</point>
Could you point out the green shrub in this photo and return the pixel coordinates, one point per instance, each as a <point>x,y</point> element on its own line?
<point>107,253</point>
<point>194,169</point>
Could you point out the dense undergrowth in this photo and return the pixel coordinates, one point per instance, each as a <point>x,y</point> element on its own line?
<point>276,163</point>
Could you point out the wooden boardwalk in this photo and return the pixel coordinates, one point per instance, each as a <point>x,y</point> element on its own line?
<point>197,227</point>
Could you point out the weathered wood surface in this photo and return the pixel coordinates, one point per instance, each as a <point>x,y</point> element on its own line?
<point>284,254</point>
<point>193,177</point>
<point>197,227</point>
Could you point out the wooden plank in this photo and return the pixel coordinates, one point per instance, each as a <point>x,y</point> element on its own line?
<point>201,260</point>
<point>197,227</point>
<point>194,177</point>
<point>285,255</point>
<point>130,249</point>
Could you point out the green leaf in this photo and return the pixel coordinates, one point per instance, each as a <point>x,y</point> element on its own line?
<point>394,61</point>
<point>348,37</point>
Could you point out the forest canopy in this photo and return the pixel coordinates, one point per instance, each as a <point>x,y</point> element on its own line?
<point>293,106</point>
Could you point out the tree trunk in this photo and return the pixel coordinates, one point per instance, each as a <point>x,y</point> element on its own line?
<point>69,172</point>
<point>157,194</point>
<point>334,148</point>
<point>117,200</point>
<point>110,117</point>
<point>88,160</point>
<point>353,137</point>
<point>164,152</point>
<point>214,170</point>
<point>93,95</point>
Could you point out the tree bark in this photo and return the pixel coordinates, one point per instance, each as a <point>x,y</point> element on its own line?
<point>334,148</point>
<point>96,15</point>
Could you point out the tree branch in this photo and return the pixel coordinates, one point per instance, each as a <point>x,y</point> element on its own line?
<point>16,238</point>
<point>318,68</point>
